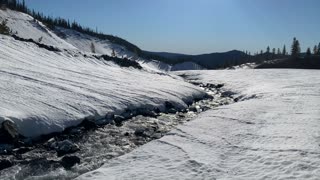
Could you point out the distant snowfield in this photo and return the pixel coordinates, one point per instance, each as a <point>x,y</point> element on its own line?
<point>273,134</point>
<point>45,92</point>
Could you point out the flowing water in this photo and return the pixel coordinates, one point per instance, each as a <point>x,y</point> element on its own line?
<point>97,146</point>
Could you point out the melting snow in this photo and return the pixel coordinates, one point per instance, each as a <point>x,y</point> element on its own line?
<point>272,134</point>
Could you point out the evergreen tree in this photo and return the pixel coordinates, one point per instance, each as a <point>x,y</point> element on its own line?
<point>273,51</point>
<point>295,48</point>
<point>24,7</point>
<point>4,29</point>
<point>308,54</point>
<point>315,50</point>
<point>319,49</point>
<point>268,50</point>
<point>284,50</point>
<point>93,48</point>
<point>279,52</point>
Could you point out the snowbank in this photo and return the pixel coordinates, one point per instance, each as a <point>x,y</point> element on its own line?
<point>274,134</point>
<point>44,91</point>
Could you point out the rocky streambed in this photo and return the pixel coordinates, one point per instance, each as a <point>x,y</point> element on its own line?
<point>86,147</point>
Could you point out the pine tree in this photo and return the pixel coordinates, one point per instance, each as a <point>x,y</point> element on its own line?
<point>284,50</point>
<point>268,50</point>
<point>295,48</point>
<point>319,49</point>
<point>24,7</point>
<point>308,54</point>
<point>4,29</point>
<point>315,50</point>
<point>279,52</point>
<point>273,51</point>
<point>93,48</point>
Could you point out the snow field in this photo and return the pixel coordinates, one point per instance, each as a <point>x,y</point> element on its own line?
<point>272,134</point>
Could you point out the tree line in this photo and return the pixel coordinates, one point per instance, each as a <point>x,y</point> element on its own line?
<point>271,54</point>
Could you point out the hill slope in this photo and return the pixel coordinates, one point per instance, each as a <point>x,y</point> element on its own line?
<point>52,90</point>
<point>25,26</point>
<point>209,61</point>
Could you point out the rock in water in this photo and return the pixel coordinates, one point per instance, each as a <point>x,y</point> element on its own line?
<point>140,132</point>
<point>65,147</point>
<point>9,130</point>
<point>69,161</point>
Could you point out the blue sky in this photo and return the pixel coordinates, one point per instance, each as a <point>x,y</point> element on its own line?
<point>196,26</point>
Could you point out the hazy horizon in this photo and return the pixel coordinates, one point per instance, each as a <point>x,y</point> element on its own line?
<point>195,27</point>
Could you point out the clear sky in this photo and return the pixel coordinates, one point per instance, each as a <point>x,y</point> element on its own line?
<point>196,26</point>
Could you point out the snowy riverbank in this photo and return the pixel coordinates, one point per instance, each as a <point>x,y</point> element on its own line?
<point>273,134</point>
<point>44,91</point>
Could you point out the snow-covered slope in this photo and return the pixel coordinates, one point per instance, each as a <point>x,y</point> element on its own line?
<point>243,66</point>
<point>274,134</point>
<point>83,43</point>
<point>155,65</point>
<point>44,91</point>
<point>24,26</point>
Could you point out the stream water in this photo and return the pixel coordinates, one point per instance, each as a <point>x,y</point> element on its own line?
<point>96,146</point>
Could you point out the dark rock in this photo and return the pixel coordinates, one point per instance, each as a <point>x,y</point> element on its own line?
<point>126,134</point>
<point>140,132</point>
<point>65,147</point>
<point>118,120</point>
<point>69,161</point>
<point>193,109</point>
<point>181,115</point>
<point>5,163</point>
<point>8,132</point>
<point>219,86</point>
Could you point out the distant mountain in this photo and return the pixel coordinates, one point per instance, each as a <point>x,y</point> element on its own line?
<point>167,55</point>
<point>209,61</point>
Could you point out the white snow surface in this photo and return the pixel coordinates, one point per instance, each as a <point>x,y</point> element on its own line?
<point>24,26</point>
<point>45,92</point>
<point>243,66</point>
<point>273,134</point>
<point>83,43</point>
